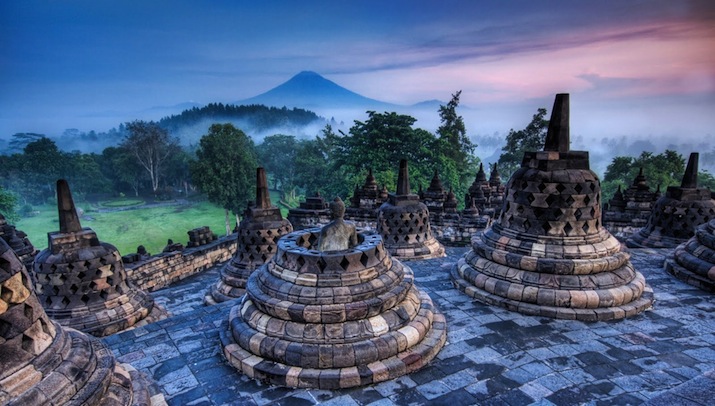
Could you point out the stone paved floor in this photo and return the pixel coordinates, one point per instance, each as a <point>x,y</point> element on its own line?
<point>664,356</point>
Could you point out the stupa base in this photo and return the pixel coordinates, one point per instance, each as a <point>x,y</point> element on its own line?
<point>276,373</point>
<point>231,285</point>
<point>112,316</point>
<point>604,313</point>
<point>689,277</point>
<point>428,250</point>
<point>639,240</point>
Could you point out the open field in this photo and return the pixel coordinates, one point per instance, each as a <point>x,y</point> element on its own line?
<point>129,225</point>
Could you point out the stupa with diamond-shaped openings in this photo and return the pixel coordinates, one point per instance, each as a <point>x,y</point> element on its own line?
<point>81,281</point>
<point>627,212</point>
<point>18,241</point>
<point>404,224</point>
<point>676,214</point>
<point>258,233</point>
<point>548,254</point>
<point>43,363</point>
<point>365,202</point>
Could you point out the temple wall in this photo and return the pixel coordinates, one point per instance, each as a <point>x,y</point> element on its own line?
<point>159,271</point>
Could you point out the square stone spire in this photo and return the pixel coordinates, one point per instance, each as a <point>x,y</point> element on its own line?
<point>558,137</point>
<point>263,198</point>
<point>69,220</point>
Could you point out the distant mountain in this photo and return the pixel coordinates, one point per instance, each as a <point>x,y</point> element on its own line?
<point>310,90</point>
<point>429,104</point>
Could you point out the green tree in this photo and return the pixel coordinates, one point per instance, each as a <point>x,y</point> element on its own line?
<point>277,154</point>
<point>119,166</point>
<point>152,147</point>
<point>8,205</point>
<point>530,138</point>
<point>706,179</point>
<point>84,174</point>
<point>457,162</point>
<point>177,170</point>
<point>316,168</point>
<point>41,164</point>
<point>380,142</point>
<point>457,145</point>
<point>225,168</point>
<point>665,169</point>
<point>19,141</point>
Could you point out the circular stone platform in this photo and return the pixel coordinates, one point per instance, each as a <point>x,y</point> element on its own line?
<point>694,261</point>
<point>331,320</point>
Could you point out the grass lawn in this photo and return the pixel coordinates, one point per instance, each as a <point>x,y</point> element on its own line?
<point>127,229</point>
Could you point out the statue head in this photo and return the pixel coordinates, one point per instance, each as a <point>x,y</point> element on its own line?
<point>337,208</point>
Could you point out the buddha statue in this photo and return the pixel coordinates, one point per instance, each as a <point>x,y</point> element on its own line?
<point>339,234</point>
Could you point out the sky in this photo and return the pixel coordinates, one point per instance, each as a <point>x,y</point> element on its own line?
<point>633,68</point>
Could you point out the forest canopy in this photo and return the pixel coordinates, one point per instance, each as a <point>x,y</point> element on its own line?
<point>147,159</point>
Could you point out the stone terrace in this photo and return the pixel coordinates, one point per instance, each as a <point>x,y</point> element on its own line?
<point>664,356</point>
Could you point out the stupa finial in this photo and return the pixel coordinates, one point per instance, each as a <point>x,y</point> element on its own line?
<point>559,137</point>
<point>690,179</point>
<point>263,198</point>
<point>403,179</point>
<point>69,220</point>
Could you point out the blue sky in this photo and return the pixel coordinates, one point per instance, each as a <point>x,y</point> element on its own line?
<point>642,68</point>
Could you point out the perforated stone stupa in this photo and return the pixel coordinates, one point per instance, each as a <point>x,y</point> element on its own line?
<point>628,211</point>
<point>548,254</point>
<point>258,233</point>
<point>676,215</point>
<point>435,196</point>
<point>498,189</point>
<point>18,241</point>
<point>365,202</point>
<point>82,282</point>
<point>449,226</point>
<point>332,319</point>
<point>694,261</point>
<point>488,195</point>
<point>313,212</point>
<point>404,224</point>
<point>42,363</point>
<point>480,184</point>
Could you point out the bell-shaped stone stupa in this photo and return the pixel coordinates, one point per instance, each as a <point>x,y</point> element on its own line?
<point>258,232</point>
<point>42,363</point>
<point>82,282</point>
<point>404,224</point>
<point>676,215</point>
<point>629,211</point>
<point>18,241</point>
<point>347,316</point>
<point>548,254</point>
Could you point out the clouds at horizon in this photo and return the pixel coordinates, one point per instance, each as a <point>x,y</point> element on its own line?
<point>71,60</point>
